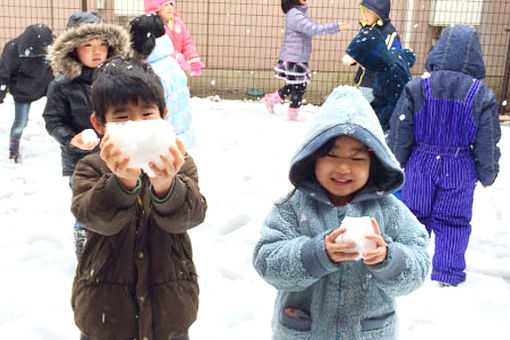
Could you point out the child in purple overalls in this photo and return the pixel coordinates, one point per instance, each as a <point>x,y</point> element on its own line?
<point>445,130</point>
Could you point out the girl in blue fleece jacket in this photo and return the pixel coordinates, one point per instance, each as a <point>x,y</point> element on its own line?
<point>344,168</point>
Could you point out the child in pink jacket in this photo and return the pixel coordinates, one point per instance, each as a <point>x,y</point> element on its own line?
<point>185,50</point>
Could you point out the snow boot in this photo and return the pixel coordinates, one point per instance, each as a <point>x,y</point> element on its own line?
<point>14,151</point>
<point>271,100</point>
<point>292,114</point>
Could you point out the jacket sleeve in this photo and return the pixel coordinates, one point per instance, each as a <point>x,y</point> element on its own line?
<point>9,63</point>
<point>184,207</point>
<point>304,24</point>
<point>407,265</point>
<point>99,201</point>
<point>485,150</point>
<point>287,260</point>
<point>189,49</point>
<point>55,112</point>
<point>401,136</point>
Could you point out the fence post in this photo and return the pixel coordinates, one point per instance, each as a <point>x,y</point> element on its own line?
<point>506,78</point>
<point>83,5</point>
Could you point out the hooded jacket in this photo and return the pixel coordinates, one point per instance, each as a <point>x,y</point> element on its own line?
<point>24,69</point>
<point>453,63</point>
<point>136,278</point>
<point>176,30</point>
<point>68,107</point>
<point>391,38</point>
<point>177,94</point>
<point>391,68</point>
<point>299,32</point>
<point>348,300</point>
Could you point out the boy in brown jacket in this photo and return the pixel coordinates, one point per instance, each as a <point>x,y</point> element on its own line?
<point>136,278</point>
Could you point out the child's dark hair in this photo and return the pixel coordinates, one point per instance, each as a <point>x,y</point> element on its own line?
<point>145,29</point>
<point>125,80</point>
<point>287,5</point>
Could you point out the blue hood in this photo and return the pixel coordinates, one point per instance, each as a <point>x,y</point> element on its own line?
<point>346,112</point>
<point>458,49</point>
<point>381,7</point>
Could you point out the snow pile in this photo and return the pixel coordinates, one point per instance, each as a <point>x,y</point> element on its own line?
<point>143,141</point>
<point>357,229</point>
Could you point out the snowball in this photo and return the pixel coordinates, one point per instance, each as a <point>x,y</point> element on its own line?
<point>88,136</point>
<point>143,141</point>
<point>357,229</point>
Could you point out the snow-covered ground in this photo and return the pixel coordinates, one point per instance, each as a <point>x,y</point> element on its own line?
<point>243,155</point>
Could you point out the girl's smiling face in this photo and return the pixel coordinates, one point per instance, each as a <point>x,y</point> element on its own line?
<point>344,169</point>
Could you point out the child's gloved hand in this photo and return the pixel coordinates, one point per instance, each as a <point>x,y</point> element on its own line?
<point>182,62</point>
<point>196,68</point>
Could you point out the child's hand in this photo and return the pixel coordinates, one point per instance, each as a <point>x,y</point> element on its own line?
<point>336,251</point>
<point>78,142</point>
<point>342,26</point>
<point>196,68</point>
<point>112,156</point>
<point>163,177</point>
<point>182,62</point>
<point>379,254</point>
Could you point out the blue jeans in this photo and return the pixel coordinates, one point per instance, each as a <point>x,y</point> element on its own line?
<point>80,235</point>
<point>21,111</point>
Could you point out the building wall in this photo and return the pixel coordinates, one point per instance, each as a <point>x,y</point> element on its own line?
<point>239,40</point>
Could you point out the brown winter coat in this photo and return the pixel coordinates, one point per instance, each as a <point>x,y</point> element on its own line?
<point>136,277</point>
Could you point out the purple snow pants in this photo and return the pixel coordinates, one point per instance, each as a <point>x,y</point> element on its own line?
<point>445,184</point>
<point>441,178</point>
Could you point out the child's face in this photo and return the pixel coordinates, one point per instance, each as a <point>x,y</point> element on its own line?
<point>371,17</point>
<point>125,112</point>
<point>92,53</point>
<point>167,11</point>
<point>344,169</point>
<point>302,2</point>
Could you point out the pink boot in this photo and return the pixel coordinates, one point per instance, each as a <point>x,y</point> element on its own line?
<point>293,113</point>
<point>271,100</point>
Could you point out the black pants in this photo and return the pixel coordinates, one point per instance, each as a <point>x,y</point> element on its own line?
<point>296,92</point>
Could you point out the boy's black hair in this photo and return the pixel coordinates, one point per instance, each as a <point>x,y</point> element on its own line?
<point>287,5</point>
<point>125,80</point>
<point>145,29</point>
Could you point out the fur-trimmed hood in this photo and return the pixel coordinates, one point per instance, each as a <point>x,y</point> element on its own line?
<point>61,53</point>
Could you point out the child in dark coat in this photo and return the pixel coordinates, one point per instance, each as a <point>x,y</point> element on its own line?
<point>445,131</point>
<point>391,68</point>
<point>376,13</point>
<point>74,55</point>
<point>25,73</point>
<point>136,278</point>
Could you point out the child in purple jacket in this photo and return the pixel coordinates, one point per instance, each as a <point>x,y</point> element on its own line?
<point>292,65</point>
<point>445,131</point>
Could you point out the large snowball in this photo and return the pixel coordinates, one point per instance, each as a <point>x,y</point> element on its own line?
<point>357,229</point>
<point>143,141</point>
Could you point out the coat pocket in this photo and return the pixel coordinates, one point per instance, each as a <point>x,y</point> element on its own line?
<point>384,327</point>
<point>295,319</point>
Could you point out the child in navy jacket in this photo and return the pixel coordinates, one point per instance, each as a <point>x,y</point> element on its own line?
<point>445,131</point>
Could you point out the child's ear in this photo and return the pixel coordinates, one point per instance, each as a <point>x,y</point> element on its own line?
<point>96,123</point>
<point>165,113</point>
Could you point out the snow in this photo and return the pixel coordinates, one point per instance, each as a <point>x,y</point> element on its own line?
<point>143,141</point>
<point>242,155</point>
<point>357,228</point>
